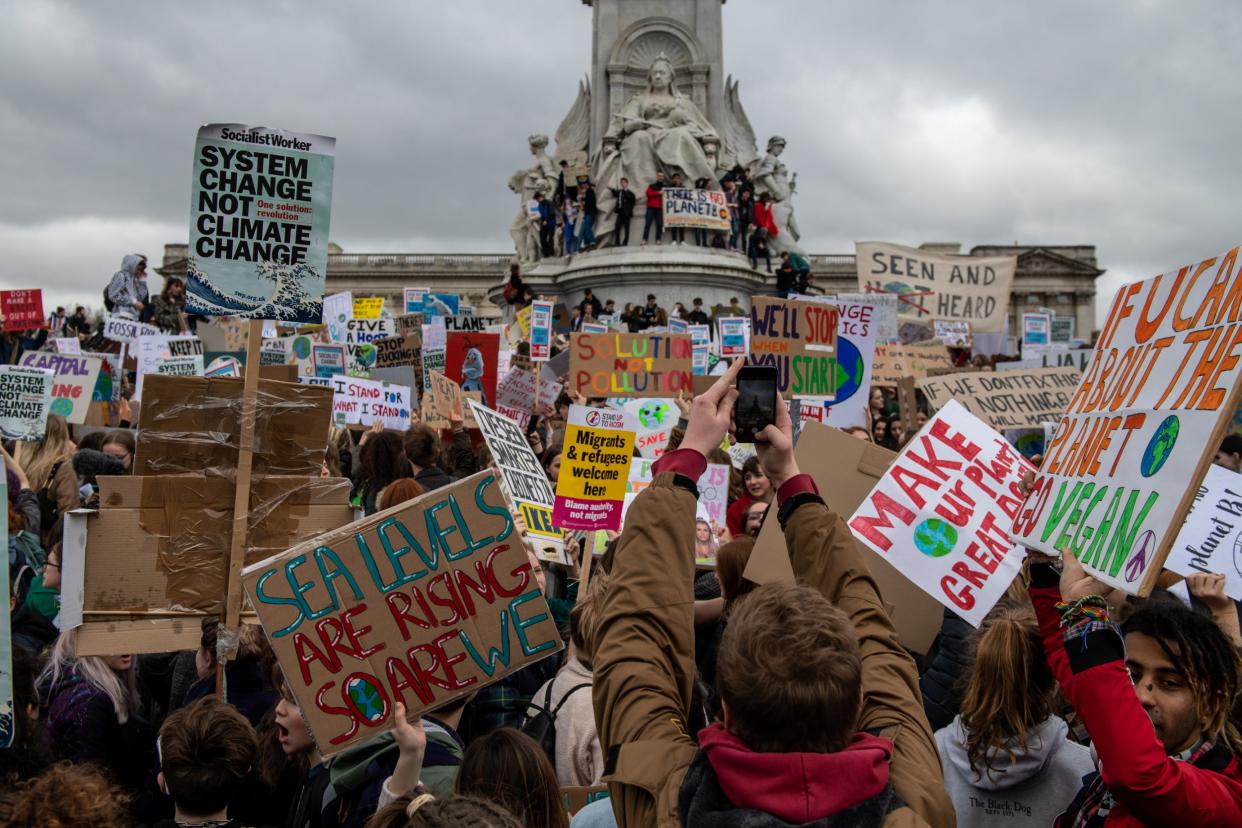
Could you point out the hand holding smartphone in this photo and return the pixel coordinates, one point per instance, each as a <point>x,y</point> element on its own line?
<point>755,408</point>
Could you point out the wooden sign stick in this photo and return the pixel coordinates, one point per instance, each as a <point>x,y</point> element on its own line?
<point>226,647</point>
<point>588,557</point>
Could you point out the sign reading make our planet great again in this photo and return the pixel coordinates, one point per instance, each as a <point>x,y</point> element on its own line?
<point>421,604</point>
<point>260,205</point>
<point>1124,464</point>
<point>631,364</point>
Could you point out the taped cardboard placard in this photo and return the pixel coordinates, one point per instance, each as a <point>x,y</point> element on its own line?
<point>799,339</point>
<point>1006,399</point>
<point>892,362</point>
<point>846,469</point>
<point>374,579</point>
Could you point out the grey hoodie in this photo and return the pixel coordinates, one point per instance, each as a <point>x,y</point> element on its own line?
<point>1033,790</point>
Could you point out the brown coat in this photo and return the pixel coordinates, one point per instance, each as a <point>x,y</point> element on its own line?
<point>644,659</point>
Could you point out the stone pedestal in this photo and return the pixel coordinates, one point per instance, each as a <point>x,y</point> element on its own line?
<point>674,273</point>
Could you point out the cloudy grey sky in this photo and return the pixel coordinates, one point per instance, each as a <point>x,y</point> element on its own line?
<point>1115,122</point>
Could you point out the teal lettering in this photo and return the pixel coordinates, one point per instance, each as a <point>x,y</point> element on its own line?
<point>520,624</point>
<point>395,555</point>
<point>325,557</point>
<point>488,665</point>
<point>276,599</point>
<point>501,511</point>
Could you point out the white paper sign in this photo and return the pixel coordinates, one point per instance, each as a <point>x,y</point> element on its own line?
<point>1210,540</point>
<point>25,399</point>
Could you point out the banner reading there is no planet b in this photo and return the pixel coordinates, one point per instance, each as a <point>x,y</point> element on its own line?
<point>260,208</point>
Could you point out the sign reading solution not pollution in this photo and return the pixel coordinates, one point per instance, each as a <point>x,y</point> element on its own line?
<point>421,604</point>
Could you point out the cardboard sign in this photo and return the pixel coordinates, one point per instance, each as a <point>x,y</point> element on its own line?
<point>930,286</point>
<point>357,401</point>
<point>368,307</point>
<point>74,384</point>
<point>695,208</point>
<point>576,798</point>
<point>845,470</point>
<point>515,395</point>
<point>409,323</point>
<point>22,310</point>
<point>120,329</point>
<point>397,351</point>
<point>470,361</point>
<point>799,339</point>
<point>443,400</point>
<point>470,324</point>
<point>595,463</point>
<point>1079,359</point>
<point>25,400</point>
<point>260,207</point>
<point>540,330</point>
<point>1123,466</point>
<point>415,299</point>
<point>1211,538</point>
<point>892,362</point>
<point>734,332</point>
<point>1006,399</point>
<point>360,331</point>
<point>434,599</point>
<point>631,365</point>
<point>942,512</point>
<point>953,334</point>
<point>338,309</point>
<point>883,312</point>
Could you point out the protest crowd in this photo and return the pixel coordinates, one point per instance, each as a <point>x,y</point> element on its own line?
<point>619,564</point>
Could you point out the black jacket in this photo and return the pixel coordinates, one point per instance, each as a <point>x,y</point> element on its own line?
<point>940,682</point>
<point>589,207</point>
<point>625,201</point>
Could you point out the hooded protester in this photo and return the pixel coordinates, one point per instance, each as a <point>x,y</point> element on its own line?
<point>126,294</point>
<point>1007,759</point>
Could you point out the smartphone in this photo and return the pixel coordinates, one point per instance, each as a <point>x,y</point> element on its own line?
<point>756,401</point>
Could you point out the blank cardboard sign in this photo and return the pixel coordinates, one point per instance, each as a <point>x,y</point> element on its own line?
<point>846,469</point>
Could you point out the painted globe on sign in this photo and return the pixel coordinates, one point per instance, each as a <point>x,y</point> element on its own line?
<point>1160,447</point>
<point>899,288</point>
<point>62,406</point>
<point>653,414</point>
<point>1030,444</point>
<point>935,538</point>
<point>849,369</point>
<point>364,355</point>
<point>302,347</point>
<point>367,699</point>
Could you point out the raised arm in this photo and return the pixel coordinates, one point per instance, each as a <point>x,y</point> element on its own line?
<point>644,652</point>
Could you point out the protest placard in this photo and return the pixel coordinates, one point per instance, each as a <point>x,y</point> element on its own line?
<point>653,419</point>
<point>415,299</point>
<point>434,343</point>
<point>470,324</point>
<point>7,707</point>
<point>151,350</point>
<point>701,345</point>
<point>25,400</point>
<point>799,339</point>
<point>74,383</point>
<point>1210,541</point>
<point>397,351</point>
<point>562,322</point>
<point>594,327</point>
<point>260,207</point>
<point>734,331</point>
<point>406,641</point>
<point>540,330</point>
<point>595,463</point>
<point>695,208</point>
<point>443,401</point>
<point>67,345</point>
<point>180,366</point>
<point>122,329</point>
<point>675,325</point>
<point>892,362</point>
<point>714,493</point>
<point>441,304</point>
<point>360,331</point>
<point>1036,332</point>
<point>856,337</point>
<point>1006,399</point>
<point>942,512</point>
<point>883,312</point>
<point>470,361</point>
<point>338,309</point>
<point>327,359</point>
<point>22,309</point>
<point>516,394</point>
<point>631,365</point>
<point>953,334</point>
<point>1124,463</point>
<point>368,307</point>
<point>357,401</point>
<point>409,323</point>
<point>1063,328</point>
<point>931,286</point>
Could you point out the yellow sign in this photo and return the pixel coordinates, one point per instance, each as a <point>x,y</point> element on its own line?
<point>368,307</point>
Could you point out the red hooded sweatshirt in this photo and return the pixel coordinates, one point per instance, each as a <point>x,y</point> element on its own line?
<point>797,787</point>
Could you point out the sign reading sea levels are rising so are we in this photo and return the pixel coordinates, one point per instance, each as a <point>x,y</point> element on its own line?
<point>1123,466</point>
<point>631,364</point>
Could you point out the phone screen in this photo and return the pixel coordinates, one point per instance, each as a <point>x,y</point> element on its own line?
<point>756,402</point>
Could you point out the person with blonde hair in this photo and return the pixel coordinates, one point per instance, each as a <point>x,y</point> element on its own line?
<point>92,704</point>
<point>1007,757</point>
<point>55,448</point>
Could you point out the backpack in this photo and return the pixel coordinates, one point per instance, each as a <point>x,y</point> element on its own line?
<point>109,305</point>
<point>26,559</point>
<point>542,726</point>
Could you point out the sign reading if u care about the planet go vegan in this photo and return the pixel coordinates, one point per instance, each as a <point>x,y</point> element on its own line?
<point>420,604</point>
<point>1125,462</point>
<point>260,206</point>
<point>799,339</point>
<point>631,364</point>
<point>941,514</point>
